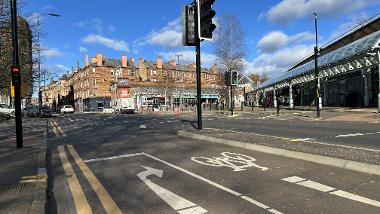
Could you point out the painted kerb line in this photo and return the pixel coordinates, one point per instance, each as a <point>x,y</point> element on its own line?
<point>104,197</point>
<point>54,129</point>
<point>256,203</point>
<point>331,190</point>
<point>80,200</point>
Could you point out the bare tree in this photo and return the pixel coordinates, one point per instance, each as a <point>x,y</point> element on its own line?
<point>230,43</point>
<point>358,19</point>
<point>230,46</point>
<point>30,74</point>
<point>167,84</point>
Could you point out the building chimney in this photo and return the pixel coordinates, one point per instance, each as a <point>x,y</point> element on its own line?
<point>99,59</point>
<point>159,63</point>
<point>133,60</point>
<point>141,60</point>
<point>93,60</point>
<point>214,68</point>
<point>124,61</point>
<point>173,62</point>
<point>86,60</point>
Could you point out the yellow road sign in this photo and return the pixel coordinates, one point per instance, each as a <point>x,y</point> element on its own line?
<point>22,90</point>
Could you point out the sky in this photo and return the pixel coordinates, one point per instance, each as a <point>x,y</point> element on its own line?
<point>279,33</point>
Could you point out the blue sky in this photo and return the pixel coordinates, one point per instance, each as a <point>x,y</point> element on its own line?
<point>279,33</point>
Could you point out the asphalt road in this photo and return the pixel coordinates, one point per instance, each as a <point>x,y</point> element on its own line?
<point>137,164</point>
<point>356,134</point>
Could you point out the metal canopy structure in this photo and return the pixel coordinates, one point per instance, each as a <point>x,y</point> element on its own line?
<point>176,92</point>
<point>245,80</point>
<point>358,55</point>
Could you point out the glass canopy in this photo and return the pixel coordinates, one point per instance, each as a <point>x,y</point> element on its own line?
<point>358,47</point>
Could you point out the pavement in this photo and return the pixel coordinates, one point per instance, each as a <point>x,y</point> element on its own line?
<point>364,115</point>
<point>137,164</point>
<point>23,180</point>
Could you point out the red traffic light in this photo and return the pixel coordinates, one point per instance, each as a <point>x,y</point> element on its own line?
<point>15,69</point>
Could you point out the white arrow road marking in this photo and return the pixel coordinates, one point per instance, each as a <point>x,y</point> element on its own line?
<point>331,190</point>
<point>178,203</point>
<point>226,189</point>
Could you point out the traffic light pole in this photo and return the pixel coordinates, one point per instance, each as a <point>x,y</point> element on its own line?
<point>232,100</point>
<point>198,69</point>
<point>16,77</point>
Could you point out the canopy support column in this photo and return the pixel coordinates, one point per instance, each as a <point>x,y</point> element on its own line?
<point>366,95</point>
<point>378,95</point>
<point>291,103</point>
<point>320,94</point>
<point>274,98</point>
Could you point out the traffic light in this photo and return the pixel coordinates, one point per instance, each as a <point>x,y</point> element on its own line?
<point>205,15</point>
<point>188,25</point>
<point>16,77</point>
<point>234,78</point>
<point>227,78</point>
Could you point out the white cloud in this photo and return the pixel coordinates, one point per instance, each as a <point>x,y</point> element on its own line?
<point>83,50</point>
<point>95,24</point>
<point>188,57</point>
<point>289,10</point>
<point>280,61</point>
<point>277,39</point>
<point>56,71</point>
<point>115,44</point>
<point>52,53</point>
<point>169,36</point>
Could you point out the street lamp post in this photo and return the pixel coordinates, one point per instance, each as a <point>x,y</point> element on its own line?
<point>316,51</point>
<point>39,56</point>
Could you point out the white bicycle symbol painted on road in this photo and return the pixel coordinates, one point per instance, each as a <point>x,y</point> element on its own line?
<point>238,162</point>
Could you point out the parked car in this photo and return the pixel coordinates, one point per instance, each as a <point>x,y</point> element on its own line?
<point>5,109</point>
<point>31,111</point>
<point>46,112</point>
<point>108,110</point>
<point>67,109</point>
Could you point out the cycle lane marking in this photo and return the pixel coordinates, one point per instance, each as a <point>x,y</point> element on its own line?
<point>219,186</point>
<point>238,162</point>
<point>331,190</point>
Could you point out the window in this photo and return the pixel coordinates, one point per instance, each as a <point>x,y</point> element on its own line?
<point>94,92</point>
<point>93,70</point>
<point>112,72</point>
<point>94,82</point>
<point>154,72</point>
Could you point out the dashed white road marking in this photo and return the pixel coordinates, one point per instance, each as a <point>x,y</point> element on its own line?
<point>226,189</point>
<point>308,140</point>
<point>350,135</point>
<point>331,190</point>
<point>143,126</point>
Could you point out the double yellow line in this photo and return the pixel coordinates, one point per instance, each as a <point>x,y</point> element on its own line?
<point>57,129</point>
<point>81,203</point>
